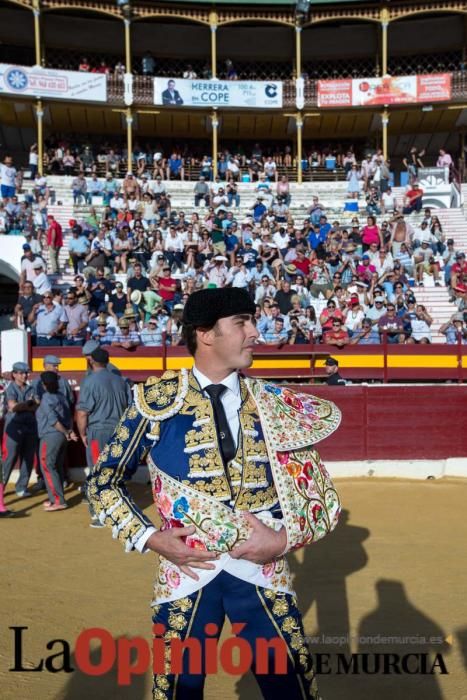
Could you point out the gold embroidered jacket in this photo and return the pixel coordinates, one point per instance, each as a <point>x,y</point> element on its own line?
<point>276,473</point>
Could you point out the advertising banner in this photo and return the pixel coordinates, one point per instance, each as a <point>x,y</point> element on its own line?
<point>30,81</point>
<point>176,92</point>
<point>400,89</point>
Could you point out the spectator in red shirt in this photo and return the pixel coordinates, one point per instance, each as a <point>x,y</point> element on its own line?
<point>166,287</point>
<point>328,314</point>
<point>84,66</point>
<point>302,263</point>
<point>337,335</point>
<point>413,199</point>
<point>54,242</point>
<point>458,270</point>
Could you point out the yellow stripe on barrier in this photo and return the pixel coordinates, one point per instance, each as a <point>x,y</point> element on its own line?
<point>351,361</point>
<point>137,363</point>
<point>423,361</point>
<point>179,362</point>
<point>68,364</point>
<point>281,364</point>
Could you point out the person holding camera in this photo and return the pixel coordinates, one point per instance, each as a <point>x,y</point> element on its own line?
<point>420,326</point>
<point>298,335</point>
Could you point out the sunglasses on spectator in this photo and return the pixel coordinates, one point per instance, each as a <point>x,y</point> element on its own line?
<point>48,296</point>
<point>166,269</point>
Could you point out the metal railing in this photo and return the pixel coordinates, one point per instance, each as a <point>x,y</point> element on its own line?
<point>143,92</point>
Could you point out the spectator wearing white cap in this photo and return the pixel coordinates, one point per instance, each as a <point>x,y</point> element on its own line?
<point>376,311</point>
<point>216,271</point>
<point>40,282</point>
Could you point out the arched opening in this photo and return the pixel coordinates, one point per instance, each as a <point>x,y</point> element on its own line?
<point>16,34</point>
<point>9,287</point>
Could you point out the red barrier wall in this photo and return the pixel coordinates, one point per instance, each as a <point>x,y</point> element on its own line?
<point>396,422</point>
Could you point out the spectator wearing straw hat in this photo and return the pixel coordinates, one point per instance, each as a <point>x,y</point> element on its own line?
<point>455,328</point>
<point>103,333</point>
<point>151,335</point>
<point>124,337</point>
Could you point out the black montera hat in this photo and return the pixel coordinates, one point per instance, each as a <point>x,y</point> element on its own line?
<point>204,308</point>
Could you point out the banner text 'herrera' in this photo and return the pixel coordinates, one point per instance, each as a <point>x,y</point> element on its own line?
<point>177,92</point>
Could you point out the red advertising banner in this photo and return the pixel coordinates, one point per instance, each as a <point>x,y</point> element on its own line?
<point>366,92</point>
<point>434,88</point>
<point>335,93</point>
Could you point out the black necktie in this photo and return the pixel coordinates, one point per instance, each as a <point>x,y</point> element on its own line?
<point>226,441</point>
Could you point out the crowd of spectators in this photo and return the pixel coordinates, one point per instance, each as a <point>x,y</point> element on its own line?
<point>137,259</point>
<point>65,156</point>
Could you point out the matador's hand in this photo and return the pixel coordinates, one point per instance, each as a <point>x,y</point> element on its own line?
<point>169,544</point>
<point>263,545</point>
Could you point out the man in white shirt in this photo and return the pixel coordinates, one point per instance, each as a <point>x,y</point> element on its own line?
<point>227,502</point>
<point>216,271</point>
<point>7,178</point>
<point>270,169</point>
<point>27,264</point>
<point>174,247</point>
<point>41,282</point>
<point>117,203</point>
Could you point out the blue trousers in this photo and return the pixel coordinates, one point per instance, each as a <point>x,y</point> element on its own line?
<point>265,614</point>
